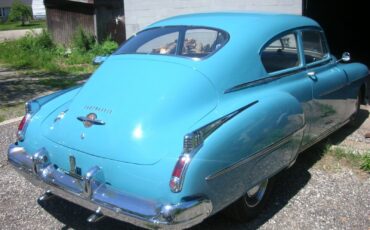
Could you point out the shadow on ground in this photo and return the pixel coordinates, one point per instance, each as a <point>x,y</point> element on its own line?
<point>19,86</point>
<point>288,183</point>
<point>346,131</point>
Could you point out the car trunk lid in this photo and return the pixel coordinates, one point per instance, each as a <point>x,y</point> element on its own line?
<point>143,109</point>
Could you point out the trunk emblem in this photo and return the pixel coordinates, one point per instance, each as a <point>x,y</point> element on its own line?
<point>90,120</point>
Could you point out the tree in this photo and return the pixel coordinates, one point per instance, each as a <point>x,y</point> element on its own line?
<point>20,12</point>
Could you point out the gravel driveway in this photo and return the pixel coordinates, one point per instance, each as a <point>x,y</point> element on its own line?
<point>305,197</point>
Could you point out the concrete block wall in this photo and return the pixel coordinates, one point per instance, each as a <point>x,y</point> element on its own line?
<point>140,13</point>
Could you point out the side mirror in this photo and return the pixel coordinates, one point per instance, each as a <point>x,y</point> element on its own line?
<point>346,57</point>
<point>99,60</point>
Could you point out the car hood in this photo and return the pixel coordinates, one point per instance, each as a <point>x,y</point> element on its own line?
<point>146,105</point>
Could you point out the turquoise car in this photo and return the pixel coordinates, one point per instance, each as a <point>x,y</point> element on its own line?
<point>194,114</point>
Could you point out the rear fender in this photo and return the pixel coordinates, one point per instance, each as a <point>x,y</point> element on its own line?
<point>252,146</point>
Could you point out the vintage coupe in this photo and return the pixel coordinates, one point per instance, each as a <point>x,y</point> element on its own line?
<point>191,115</point>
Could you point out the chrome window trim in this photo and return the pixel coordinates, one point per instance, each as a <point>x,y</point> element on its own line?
<point>327,57</point>
<point>268,79</point>
<point>176,55</point>
<point>295,32</point>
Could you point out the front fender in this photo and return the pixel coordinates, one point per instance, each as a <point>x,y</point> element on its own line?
<point>252,146</point>
<point>355,71</point>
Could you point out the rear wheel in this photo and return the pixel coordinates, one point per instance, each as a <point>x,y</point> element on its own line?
<point>251,204</point>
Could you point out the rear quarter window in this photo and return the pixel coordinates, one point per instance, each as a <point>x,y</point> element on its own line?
<point>281,53</point>
<point>314,46</point>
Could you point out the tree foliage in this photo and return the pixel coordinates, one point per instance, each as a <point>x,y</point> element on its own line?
<point>20,12</point>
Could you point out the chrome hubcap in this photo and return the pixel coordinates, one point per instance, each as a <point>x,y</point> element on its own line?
<point>256,194</point>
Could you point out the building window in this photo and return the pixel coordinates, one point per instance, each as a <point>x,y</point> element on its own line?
<point>4,12</point>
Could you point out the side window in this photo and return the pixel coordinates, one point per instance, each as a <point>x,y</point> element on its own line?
<point>314,46</point>
<point>281,54</point>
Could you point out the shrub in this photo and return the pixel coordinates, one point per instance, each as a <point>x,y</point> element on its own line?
<point>108,47</point>
<point>35,42</point>
<point>83,41</point>
<point>20,12</point>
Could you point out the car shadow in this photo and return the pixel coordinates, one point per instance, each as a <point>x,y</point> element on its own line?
<point>287,184</point>
<point>346,131</point>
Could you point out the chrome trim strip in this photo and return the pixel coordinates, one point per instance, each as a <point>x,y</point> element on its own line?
<point>262,152</point>
<point>263,80</point>
<point>93,193</point>
<point>194,141</point>
<point>208,129</point>
<point>323,135</point>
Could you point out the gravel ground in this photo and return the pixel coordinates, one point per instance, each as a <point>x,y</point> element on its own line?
<point>305,197</point>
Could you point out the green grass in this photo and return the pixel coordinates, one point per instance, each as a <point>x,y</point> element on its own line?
<point>38,52</point>
<point>11,111</point>
<point>356,160</point>
<point>18,26</point>
<point>365,163</point>
<point>52,66</point>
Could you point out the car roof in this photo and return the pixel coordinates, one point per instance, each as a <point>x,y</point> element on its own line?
<point>233,22</point>
<point>249,33</point>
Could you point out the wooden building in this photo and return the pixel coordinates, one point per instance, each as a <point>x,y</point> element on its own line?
<point>102,18</point>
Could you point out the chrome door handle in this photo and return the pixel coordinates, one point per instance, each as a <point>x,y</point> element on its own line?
<point>311,74</point>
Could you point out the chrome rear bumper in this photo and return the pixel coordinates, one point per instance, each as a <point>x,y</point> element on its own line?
<point>91,192</point>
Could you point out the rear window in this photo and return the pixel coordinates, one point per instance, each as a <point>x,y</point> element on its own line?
<point>193,42</point>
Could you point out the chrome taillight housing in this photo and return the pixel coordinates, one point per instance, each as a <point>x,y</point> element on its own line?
<point>31,108</point>
<point>22,127</point>
<point>191,145</point>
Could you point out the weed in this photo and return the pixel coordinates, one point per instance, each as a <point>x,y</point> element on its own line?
<point>360,161</point>
<point>83,41</point>
<point>38,52</point>
<point>365,164</point>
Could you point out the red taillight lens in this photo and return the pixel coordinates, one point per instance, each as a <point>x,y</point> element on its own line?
<point>22,126</point>
<point>23,122</point>
<point>178,173</point>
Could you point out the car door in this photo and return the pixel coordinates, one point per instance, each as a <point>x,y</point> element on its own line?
<point>328,107</point>
<point>283,60</point>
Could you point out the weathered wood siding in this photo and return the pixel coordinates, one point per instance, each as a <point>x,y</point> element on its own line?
<point>64,20</point>
<point>102,18</point>
<point>110,23</point>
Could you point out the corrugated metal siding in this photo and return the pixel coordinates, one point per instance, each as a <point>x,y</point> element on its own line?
<point>62,23</point>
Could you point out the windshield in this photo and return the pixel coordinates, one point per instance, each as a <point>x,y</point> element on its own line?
<point>194,42</point>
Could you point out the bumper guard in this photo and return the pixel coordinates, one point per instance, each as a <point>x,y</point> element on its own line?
<point>92,193</point>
